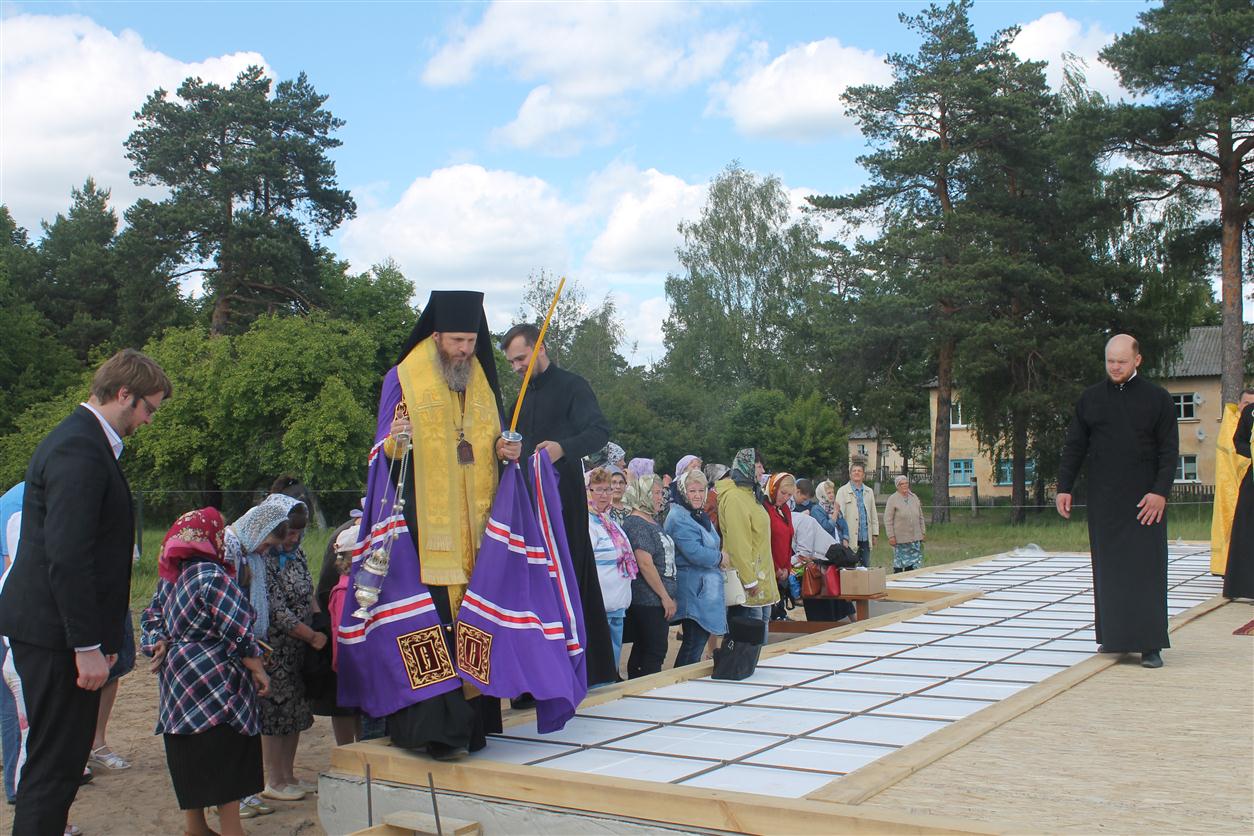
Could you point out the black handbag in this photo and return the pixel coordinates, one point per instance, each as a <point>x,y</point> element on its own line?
<point>315,669</point>
<point>738,657</point>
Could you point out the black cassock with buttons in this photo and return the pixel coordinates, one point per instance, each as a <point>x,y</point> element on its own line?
<point>1128,434</point>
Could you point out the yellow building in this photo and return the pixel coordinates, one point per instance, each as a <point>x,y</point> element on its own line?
<point>1192,380</point>
<point>882,458</point>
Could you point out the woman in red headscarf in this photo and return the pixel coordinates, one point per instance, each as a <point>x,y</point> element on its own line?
<point>779,489</point>
<point>210,676</point>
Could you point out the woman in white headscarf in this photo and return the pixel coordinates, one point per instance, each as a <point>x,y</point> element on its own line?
<point>285,712</point>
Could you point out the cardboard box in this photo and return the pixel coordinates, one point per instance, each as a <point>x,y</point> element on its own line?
<point>862,581</point>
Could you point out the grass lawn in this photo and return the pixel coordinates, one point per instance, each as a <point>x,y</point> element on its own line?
<point>144,577</point>
<point>963,537</point>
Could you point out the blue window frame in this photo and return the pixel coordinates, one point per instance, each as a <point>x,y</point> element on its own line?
<point>1005,472</point>
<point>961,471</point>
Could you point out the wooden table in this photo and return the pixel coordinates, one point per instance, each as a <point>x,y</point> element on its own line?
<point>861,607</point>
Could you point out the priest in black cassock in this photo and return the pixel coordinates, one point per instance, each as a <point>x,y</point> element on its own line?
<point>560,413</point>
<point>1126,427</point>
<point>1239,573</point>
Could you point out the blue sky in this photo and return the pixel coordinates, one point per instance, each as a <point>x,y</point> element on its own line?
<point>484,141</point>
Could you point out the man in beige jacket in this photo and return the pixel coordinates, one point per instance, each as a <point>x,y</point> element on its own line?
<point>857,502</point>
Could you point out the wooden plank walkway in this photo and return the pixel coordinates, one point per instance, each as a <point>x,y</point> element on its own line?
<point>1129,750</point>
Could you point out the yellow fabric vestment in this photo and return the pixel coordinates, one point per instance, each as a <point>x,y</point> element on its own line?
<point>1230,468</point>
<point>453,500</point>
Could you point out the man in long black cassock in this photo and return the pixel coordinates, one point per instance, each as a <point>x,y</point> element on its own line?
<point>560,414</point>
<point>1126,426</point>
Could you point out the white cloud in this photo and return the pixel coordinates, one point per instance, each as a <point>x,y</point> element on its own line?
<point>797,95</point>
<point>586,58</point>
<point>471,227</point>
<point>68,95</point>
<point>643,316</point>
<point>553,123</point>
<point>1052,35</point>
<point>468,227</point>
<point>641,231</point>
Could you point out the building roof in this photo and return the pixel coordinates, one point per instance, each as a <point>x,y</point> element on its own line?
<point>1200,353</point>
<point>862,434</point>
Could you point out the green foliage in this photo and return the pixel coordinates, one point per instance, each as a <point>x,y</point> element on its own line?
<point>1195,139</point>
<point>747,268</point>
<point>249,179</point>
<point>580,337</point>
<point>662,417</point>
<point>377,300</point>
<point>932,130</point>
<point>751,418</point>
<point>807,438</point>
<point>33,362</point>
<point>33,423</point>
<point>290,395</point>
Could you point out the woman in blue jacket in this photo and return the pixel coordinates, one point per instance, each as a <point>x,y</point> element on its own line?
<point>699,563</point>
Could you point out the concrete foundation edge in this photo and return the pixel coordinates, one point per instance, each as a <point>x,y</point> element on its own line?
<point>342,810</point>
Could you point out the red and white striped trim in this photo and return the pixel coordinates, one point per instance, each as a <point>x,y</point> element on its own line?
<point>374,451</point>
<point>573,644</point>
<point>386,614</point>
<point>502,533</point>
<point>380,531</point>
<point>513,619</point>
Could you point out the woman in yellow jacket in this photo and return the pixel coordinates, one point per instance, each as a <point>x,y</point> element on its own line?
<point>746,531</point>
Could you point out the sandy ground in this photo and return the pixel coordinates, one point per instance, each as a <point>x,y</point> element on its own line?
<point>1128,751</point>
<point>140,800</point>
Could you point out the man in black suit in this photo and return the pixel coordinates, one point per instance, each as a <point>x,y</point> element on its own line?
<point>66,597</point>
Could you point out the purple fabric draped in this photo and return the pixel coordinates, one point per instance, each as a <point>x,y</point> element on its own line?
<point>521,622</point>
<point>373,674</point>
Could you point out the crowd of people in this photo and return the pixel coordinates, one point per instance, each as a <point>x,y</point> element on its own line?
<point>668,548</point>
<point>248,647</point>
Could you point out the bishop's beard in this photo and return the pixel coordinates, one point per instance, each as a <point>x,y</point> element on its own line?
<point>456,372</point>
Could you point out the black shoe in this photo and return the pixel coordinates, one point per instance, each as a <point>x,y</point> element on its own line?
<point>445,752</point>
<point>1151,659</point>
<point>87,777</point>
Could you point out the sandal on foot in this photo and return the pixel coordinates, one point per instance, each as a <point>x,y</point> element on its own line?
<point>109,759</point>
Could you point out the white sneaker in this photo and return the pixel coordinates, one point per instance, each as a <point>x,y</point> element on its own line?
<point>283,793</point>
<point>255,804</point>
<point>307,787</point>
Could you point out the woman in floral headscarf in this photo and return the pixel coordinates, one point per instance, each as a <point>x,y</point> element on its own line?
<point>746,531</point>
<point>210,677</point>
<point>653,591</point>
<point>618,489</point>
<point>827,512</point>
<point>616,564</point>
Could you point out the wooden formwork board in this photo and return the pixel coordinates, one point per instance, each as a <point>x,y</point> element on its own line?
<point>671,804</point>
<point>831,808</point>
<point>870,780</point>
<point>720,810</point>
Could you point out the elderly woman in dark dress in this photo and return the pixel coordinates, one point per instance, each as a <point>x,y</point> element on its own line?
<point>210,674</point>
<point>285,712</point>
<point>654,589</point>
